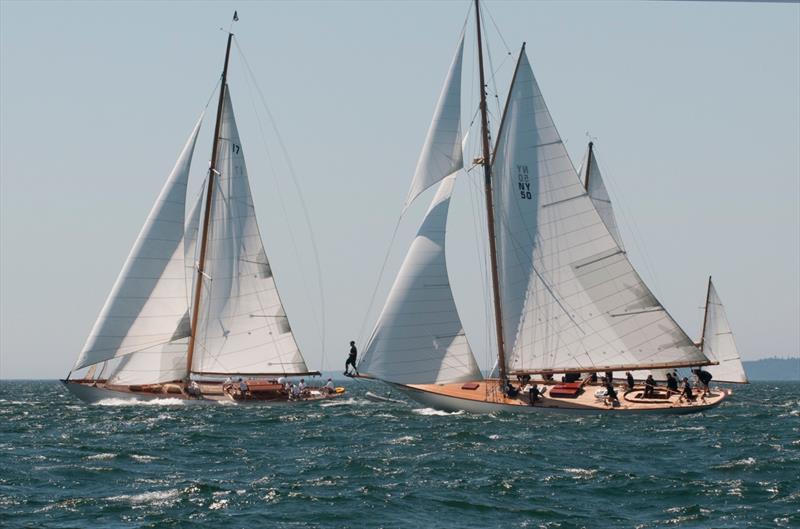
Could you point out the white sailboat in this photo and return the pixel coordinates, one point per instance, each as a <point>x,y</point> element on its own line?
<point>566,297</point>
<point>196,302</point>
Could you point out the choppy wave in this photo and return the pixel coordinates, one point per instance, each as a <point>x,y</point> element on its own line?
<point>131,402</point>
<point>435,412</point>
<point>364,463</point>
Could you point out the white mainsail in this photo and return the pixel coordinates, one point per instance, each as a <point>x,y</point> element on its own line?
<point>441,154</point>
<point>419,338</point>
<point>571,300</point>
<point>596,189</point>
<point>718,343</point>
<point>147,306</point>
<point>242,326</point>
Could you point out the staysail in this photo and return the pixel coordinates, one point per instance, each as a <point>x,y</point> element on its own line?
<point>571,299</point>
<point>596,189</point>
<point>419,337</point>
<point>242,326</point>
<point>147,306</point>
<point>442,155</point>
<point>718,343</point>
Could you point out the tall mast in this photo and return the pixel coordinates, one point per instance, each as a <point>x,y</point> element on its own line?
<point>487,170</point>
<point>705,315</point>
<point>207,215</point>
<point>588,166</point>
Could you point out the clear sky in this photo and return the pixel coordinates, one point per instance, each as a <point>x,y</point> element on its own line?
<point>695,108</point>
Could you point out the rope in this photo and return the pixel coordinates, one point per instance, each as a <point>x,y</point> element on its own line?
<point>378,282</point>
<point>303,207</point>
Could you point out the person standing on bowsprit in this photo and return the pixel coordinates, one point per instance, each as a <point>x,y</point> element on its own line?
<point>351,360</point>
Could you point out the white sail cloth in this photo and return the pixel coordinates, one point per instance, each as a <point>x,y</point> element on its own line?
<point>571,299</point>
<point>442,155</point>
<point>242,326</point>
<point>147,306</point>
<point>596,189</point>
<point>419,337</point>
<point>718,342</point>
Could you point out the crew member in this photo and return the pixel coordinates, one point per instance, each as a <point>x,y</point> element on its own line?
<point>351,360</point>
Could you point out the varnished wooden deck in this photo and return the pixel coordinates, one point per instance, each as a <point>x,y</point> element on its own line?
<point>488,391</point>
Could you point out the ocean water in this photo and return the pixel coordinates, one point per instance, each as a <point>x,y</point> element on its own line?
<point>360,463</point>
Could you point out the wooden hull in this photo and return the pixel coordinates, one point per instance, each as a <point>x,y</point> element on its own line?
<point>94,393</point>
<point>487,399</point>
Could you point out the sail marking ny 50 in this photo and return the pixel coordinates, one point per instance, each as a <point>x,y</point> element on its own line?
<point>571,299</point>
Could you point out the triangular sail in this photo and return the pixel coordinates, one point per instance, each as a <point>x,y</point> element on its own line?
<point>166,362</point>
<point>571,299</point>
<point>242,326</point>
<point>147,304</point>
<point>718,342</point>
<point>442,155</point>
<point>419,337</point>
<point>596,189</point>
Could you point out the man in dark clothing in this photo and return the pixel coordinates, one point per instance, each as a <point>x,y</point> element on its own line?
<point>509,390</point>
<point>649,386</point>
<point>629,378</point>
<point>611,393</point>
<point>672,383</point>
<point>351,360</point>
<point>687,391</point>
<point>704,377</point>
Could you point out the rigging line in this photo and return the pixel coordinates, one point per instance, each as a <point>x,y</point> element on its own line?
<point>289,230</point>
<point>499,33</point>
<point>492,78</point>
<point>630,223</point>
<point>377,285</point>
<point>293,175</point>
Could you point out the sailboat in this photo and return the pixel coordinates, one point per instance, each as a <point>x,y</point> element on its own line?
<point>566,299</point>
<point>195,313</point>
<point>716,337</point>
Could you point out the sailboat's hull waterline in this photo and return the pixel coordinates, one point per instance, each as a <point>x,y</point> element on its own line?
<point>92,393</point>
<point>452,398</point>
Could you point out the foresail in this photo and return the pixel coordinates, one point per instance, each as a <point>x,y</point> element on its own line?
<point>148,301</point>
<point>570,298</point>
<point>419,338</point>
<point>718,342</point>
<point>242,326</point>
<point>596,189</point>
<point>442,155</point>
<point>162,363</point>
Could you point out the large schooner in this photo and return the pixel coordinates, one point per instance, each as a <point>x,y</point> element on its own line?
<point>195,312</point>
<point>566,299</point>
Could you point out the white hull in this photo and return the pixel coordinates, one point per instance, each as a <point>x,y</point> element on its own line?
<point>452,404</point>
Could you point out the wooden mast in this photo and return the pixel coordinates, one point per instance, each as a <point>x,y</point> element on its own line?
<point>705,315</point>
<point>588,166</point>
<point>207,215</point>
<point>487,170</point>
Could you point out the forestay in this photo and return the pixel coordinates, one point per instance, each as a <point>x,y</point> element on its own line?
<point>441,154</point>
<point>570,298</point>
<point>718,342</point>
<point>419,337</point>
<point>242,326</point>
<point>596,189</point>
<point>147,305</point>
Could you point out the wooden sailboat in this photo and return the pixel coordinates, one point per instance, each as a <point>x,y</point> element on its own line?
<point>566,299</point>
<point>195,312</point>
